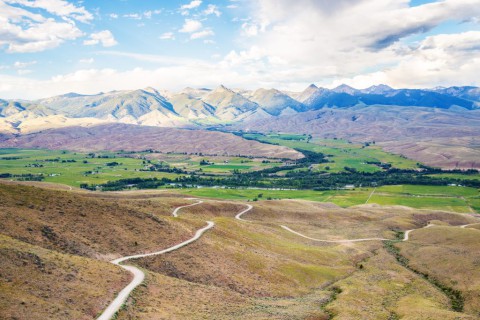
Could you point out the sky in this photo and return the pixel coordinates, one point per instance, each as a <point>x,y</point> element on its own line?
<point>52,47</point>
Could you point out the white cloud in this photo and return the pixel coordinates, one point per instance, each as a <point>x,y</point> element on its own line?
<point>23,65</point>
<point>341,39</point>
<point>60,8</point>
<point>113,15</point>
<point>284,44</point>
<point>148,14</point>
<point>134,16</point>
<point>167,36</point>
<point>86,61</point>
<point>104,37</point>
<point>212,9</point>
<point>250,30</point>
<point>202,34</point>
<point>192,5</point>
<point>438,60</point>
<point>25,31</point>
<point>190,26</point>
<point>24,71</point>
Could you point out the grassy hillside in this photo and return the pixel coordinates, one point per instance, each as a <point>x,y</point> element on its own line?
<point>54,245</point>
<point>451,256</point>
<point>37,283</point>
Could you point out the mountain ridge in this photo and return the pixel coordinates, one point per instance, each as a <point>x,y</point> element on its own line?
<point>222,105</point>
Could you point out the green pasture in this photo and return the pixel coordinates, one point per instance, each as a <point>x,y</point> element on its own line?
<point>23,161</point>
<point>342,153</point>
<point>456,199</point>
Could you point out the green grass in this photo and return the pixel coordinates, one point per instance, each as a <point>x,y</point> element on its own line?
<point>74,173</point>
<point>430,190</point>
<point>249,194</point>
<point>225,168</point>
<point>342,153</point>
<point>456,199</point>
<point>456,176</point>
<point>447,204</point>
<point>474,203</point>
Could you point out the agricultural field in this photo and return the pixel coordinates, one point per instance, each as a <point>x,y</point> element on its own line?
<point>76,168</point>
<point>456,199</point>
<point>457,176</point>
<point>341,153</point>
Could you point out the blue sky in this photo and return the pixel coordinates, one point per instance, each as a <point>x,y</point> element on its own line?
<point>50,47</point>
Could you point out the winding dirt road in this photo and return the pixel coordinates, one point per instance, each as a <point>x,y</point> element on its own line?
<point>175,212</point>
<point>407,233</point>
<point>405,237</point>
<point>139,275</point>
<point>239,215</point>
<point>333,241</point>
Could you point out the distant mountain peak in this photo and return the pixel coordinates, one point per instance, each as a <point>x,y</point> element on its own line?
<point>151,90</point>
<point>307,93</point>
<point>378,89</point>
<point>382,86</point>
<point>222,87</point>
<point>71,95</point>
<point>344,88</point>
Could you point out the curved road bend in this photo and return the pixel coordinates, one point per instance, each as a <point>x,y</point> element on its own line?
<point>332,241</point>
<point>407,233</point>
<point>406,236</point>
<point>175,212</point>
<point>239,215</point>
<point>139,275</point>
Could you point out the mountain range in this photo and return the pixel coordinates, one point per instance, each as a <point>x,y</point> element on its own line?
<point>197,107</point>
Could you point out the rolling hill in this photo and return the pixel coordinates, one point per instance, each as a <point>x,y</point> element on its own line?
<point>54,248</point>
<point>116,137</point>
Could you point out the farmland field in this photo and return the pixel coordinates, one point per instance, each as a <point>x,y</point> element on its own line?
<point>340,152</point>
<point>76,168</point>
<point>456,199</point>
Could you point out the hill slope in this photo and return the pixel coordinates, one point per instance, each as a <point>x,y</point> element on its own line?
<point>116,137</point>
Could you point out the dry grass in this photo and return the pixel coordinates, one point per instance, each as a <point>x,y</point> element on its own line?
<point>450,255</point>
<point>170,298</point>
<point>383,289</point>
<point>117,137</point>
<point>37,283</point>
<point>328,221</point>
<point>237,270</point>
<point>93,227</point>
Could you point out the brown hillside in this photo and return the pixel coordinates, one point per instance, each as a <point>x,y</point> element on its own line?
<point>54,244</point>
<point>116,137</point>
<point>37,283</point>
